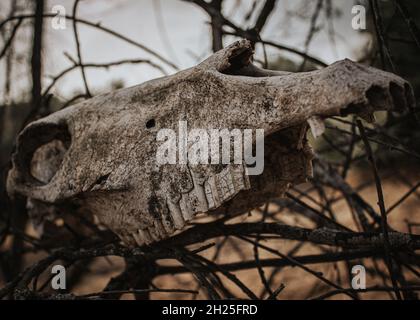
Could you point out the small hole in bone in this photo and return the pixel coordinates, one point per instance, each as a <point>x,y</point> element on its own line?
<point>150,124</point>
<point>46,160</point>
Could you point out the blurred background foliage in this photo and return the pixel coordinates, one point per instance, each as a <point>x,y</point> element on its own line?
<point>318,20</point>
<point>403,50</point>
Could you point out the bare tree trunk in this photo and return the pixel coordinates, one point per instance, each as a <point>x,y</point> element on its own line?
<point>6,122</point>
<point>18,213</point>
<point>36,65</point>
<point>216,27</point>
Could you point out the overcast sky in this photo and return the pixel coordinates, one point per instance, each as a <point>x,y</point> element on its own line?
<point>179,32</point>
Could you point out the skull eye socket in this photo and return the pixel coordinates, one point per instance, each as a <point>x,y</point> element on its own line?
<point>150,123</point>
<point>47,159</point>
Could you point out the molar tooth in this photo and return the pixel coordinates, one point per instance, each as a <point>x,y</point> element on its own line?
<point>153,234</point>
<point>209,195</point>
<point>212,193</point>
<point>240,178</point>
<point>185,205</point>
<point>126,238</point>
<point>160,229</point>
<point>138,238</point>
<point>317,126</point>
<point>245,176</point>
<point>225,185</point>
<point>144,234</point>
<point>175,212</point>
<point>167,223</point>
<point>199,192</point>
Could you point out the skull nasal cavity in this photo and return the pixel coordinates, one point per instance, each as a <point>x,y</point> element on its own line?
<point>377,97</point>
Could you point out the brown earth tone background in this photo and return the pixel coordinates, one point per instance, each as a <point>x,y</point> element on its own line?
<point>108,45</point>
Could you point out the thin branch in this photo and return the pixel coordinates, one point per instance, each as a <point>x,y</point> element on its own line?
<point>381,204</point>
<point>405,196</point>
<point>79,53</point>
<point>415,32</point>
<point>101,294</point>
<point>264,14</point>
<point>99,27</point>
<point>381,39</point>
<point>11,37</point>
<point>300,265</point>
<point>100,65</point>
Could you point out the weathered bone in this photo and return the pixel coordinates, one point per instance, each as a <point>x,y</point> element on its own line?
<point>105,160</point>
<point>317,126</point>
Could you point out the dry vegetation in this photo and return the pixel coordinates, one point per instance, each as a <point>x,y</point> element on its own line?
<point>299,247</point>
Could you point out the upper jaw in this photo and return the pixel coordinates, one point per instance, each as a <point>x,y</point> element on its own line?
<point>345,87</point>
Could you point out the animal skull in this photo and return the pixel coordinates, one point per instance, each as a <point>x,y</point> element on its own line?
<point>101,153</point>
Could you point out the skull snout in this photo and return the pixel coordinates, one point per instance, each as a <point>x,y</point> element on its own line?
<point>397,96</point>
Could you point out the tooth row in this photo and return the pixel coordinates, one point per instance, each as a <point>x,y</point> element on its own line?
<point>200,193</point>
<point>224,185</point>
<point>176,214</point>
<point>216,190</point>
<point>151,234</point>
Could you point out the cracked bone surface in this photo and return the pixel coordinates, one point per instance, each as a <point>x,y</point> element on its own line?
<point>101,153</point>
